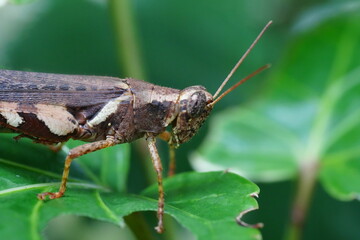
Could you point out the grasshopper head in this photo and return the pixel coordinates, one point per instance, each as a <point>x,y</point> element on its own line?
<point>194,109</point>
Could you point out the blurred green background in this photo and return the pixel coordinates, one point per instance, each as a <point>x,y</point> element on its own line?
<point>310,45</point>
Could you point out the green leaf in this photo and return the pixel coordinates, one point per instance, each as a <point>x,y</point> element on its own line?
<point>108,167</point>
<point>202,202</point>
<point>341,177</point>
<point>208,202</point>
<point>242,140</point>
<point>309,118</point>
<point>30,167</point>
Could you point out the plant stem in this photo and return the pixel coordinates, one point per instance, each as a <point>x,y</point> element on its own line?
<point>129,54</point>
<point>318,134</point>
<point>128,46</point>
<point>305,188</point>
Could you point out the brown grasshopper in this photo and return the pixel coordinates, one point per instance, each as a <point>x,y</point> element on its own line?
<point>104,111</point>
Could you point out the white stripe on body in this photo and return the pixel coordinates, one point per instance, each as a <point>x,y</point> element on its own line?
<point>58,120</point>
<point>110,108</point>
<point>8,111</point>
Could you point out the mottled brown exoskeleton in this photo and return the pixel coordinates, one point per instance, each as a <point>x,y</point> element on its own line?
<point>104,111</point>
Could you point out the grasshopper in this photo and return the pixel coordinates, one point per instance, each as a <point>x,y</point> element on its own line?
<point>105,111</point>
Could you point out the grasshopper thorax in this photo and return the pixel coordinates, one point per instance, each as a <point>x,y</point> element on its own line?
<point>194,109</point>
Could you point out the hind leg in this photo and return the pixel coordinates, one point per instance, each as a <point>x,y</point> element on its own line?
<point>74,153</point>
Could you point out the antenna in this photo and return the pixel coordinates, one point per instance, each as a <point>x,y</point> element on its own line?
<point>239,63</point>
<point>259,70</point>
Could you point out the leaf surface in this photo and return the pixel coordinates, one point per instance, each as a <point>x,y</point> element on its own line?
<point>205,203</point>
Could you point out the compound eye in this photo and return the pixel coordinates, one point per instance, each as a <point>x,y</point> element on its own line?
<point>196,104</point>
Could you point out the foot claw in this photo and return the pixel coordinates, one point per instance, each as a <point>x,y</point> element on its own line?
<point>159,228</point>
<point>42,196</point>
